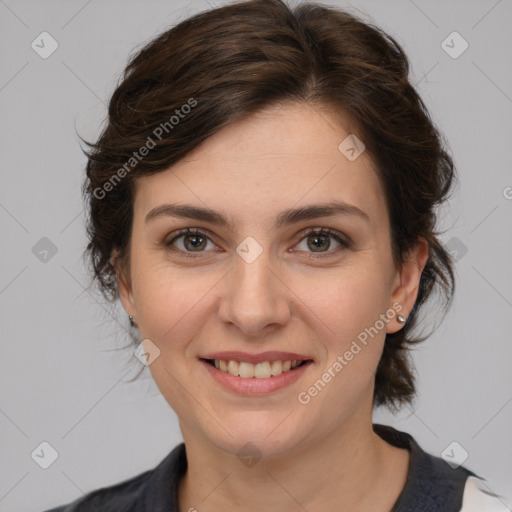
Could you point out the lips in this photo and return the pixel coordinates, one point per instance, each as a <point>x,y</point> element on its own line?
<point>257,385</point>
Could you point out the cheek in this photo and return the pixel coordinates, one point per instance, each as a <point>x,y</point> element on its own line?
<point>168,306</point>
<point>172,311</point>
<point>345,312</point>
<point>173,304</point>
<point>347,300</point>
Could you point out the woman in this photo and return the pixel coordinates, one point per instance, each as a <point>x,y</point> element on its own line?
<point>262,201</point>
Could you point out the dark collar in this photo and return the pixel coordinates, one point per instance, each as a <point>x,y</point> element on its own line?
<point>432,485</point>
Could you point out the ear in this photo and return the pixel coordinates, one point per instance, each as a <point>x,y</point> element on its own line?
<point>123,282</point>
<point>407,282</point>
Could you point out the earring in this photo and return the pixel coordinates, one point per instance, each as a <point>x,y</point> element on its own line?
<point>130,317</point>
<point>401,319</point>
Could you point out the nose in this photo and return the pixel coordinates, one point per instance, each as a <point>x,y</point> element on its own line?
<point>255,298</point>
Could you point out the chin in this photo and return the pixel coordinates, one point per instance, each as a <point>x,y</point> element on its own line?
<point>259,435</point>
<point>250,450</point>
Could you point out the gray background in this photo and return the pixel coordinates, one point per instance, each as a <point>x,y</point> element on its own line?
<point>63,374</point>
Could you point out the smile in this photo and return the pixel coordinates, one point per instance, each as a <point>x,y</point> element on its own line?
<point>255,379</point>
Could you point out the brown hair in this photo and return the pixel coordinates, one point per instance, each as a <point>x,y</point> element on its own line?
<point>221,65</point>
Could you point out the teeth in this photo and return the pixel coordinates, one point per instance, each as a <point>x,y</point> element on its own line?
<point>262,370</point>
<point>246,370</point>
<point>276,367</point>
<point>233,368</point>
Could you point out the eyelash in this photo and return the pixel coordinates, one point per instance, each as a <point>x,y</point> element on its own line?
<point>345,244</point>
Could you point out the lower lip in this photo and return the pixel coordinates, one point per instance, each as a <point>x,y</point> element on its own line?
<point>254,386</point>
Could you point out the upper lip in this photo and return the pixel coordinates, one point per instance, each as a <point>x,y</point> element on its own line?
<point>272,355</point>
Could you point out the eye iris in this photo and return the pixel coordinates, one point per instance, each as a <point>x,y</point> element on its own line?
<point>316,237</point>
<point>195,243</point>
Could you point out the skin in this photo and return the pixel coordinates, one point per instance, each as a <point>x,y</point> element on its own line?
<point>319,456</point>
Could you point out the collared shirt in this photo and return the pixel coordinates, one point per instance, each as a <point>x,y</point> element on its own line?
<point>432,485</point>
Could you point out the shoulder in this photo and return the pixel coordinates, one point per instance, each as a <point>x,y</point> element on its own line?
<point>478,498</point>
<point>115,497</point>
<point>155,489</point>
<point>434,485</point>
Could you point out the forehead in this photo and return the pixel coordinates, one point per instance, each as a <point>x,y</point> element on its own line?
<point>289,130</point>
<point>282,157</point>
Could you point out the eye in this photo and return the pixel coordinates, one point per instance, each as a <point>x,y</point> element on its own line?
<point>193,240</point>
<point>317,240</point>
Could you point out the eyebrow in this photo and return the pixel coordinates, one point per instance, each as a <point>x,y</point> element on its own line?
<point>285,218</point>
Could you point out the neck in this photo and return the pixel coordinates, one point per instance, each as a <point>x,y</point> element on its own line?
<point>333,473</point>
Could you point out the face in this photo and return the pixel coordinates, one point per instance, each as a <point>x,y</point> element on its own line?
<point>263,286</point>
